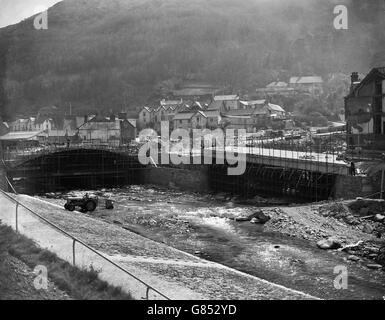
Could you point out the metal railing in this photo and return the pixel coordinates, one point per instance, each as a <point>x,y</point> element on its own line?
<point>75,241</point>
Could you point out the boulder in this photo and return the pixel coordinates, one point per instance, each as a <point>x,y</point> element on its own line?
<point>259,217</point>
<point>329,244</point>
<point>353,258</point>
<point>379,218</point>
<point>367,228</point>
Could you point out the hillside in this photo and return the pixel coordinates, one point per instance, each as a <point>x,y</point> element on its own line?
<point>114,54</point>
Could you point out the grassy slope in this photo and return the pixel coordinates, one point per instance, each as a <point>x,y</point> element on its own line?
<point>78,284</point>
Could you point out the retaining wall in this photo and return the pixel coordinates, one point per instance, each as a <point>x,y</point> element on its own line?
<point>193,178</point>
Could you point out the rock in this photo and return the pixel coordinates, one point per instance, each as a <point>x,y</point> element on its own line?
<point>373,249</point>
<point>379,217</point>
<point>259,217</point>
<point>353,258</point>
<point>197,252</point>
<point>374,266</point>
<point>241,219</point>
<point>329,244</point>
<point>350,219</point>
<point>367,228</point>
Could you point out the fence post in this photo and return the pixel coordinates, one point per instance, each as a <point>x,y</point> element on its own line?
<point>147,292</point>
<point>73,251</point>
<point>17,217</point>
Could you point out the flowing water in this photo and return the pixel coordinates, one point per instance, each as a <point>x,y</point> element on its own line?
<point>201,224</point>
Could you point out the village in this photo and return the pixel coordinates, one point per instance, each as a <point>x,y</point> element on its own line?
<point>194,106</point>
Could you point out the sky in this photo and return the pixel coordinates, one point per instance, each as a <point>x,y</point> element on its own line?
<point>13,11</point>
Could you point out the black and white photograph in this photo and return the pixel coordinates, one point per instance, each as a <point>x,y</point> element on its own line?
<point>192,155</point>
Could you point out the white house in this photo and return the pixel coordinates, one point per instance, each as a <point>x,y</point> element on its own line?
<point>310,84</point>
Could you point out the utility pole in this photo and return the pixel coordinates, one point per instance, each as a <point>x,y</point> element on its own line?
<point>382,183</point>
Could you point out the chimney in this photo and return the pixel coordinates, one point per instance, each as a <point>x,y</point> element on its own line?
<point>354,78</point>
<point>122,116</point>
<point>112,117</point>
<point>85,119</point>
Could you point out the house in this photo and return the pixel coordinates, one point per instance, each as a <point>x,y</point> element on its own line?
<point>275,88</point>
<point>276,111</point>
<point>19,139</point>
<point>199,120</point>
<point>309,84</point>
<point>182,120</point>
<point>213,119</point>
<point>217,106</point>
<point>4,127</point>
<point>127,130</point>
<point>19,125</point>
<point>365,111</point>
<point>101,130</point>
<point>247,119</point>
<point>146,117</point>
<point>230,102</point>
<point>43,123</point>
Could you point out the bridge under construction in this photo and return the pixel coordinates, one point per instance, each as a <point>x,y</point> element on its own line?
<point>306,175</point>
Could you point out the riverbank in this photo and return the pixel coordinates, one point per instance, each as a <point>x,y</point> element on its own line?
<point>284,250</point>
<point>19,256</point>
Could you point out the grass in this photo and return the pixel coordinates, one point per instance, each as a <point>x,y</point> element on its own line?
<point>78,284</point>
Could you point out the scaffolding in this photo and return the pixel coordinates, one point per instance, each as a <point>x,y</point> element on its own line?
<point>74,168</point>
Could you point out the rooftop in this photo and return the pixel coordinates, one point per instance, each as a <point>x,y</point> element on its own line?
<point>275,107</point>
<point>20,135</point>
<point>226,98</point>
<point>275,84</point>
<point>306,80</point>
<point>184,115</point>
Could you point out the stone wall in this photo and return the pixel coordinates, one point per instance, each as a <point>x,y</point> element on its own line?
<point>193,178</point>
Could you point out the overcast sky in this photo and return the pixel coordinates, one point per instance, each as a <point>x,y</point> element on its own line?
<point>13,11</point>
